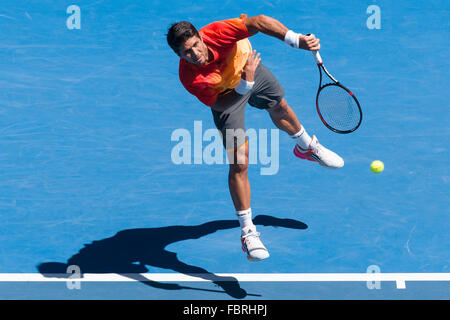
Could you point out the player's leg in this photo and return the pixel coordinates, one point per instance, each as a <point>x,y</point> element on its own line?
<point>285,118</point>
<point>306,147</point>
<point>231,124</point>
<point>240,191</point>
<point>238,182</point>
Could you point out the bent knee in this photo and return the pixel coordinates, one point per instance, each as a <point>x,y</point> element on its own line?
<point>280,109</point>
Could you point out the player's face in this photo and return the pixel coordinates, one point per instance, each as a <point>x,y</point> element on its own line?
<point>194,51</point>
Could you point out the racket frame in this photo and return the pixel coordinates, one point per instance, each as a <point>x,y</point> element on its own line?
<point>321,67</point>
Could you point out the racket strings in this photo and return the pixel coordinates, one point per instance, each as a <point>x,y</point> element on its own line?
<point>338,108</point>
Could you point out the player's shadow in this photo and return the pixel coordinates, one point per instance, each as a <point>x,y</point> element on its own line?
<point>129,252</point>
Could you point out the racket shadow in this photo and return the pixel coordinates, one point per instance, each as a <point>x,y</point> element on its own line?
<point>130,251</point>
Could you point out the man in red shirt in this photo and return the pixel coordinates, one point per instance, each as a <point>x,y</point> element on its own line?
<point>219,67</point>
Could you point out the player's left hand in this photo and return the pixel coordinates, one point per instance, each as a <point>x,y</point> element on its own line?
<point>309,42</point>
<point>252,63</point>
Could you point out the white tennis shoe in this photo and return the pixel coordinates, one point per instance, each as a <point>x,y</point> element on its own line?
<point>318,153</point>
<point>252,245</point>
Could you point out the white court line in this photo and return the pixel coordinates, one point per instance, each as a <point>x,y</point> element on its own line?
<point>243,277</point>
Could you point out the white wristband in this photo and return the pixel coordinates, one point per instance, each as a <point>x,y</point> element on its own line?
<point>244,87</point>
<point>292,39</point>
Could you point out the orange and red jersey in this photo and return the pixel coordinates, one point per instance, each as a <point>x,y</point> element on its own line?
<point>228,42</point>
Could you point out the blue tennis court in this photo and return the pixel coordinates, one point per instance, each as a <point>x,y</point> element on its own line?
<point>87,175</point>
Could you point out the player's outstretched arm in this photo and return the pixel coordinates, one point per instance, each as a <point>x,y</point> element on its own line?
<point>275,28</point>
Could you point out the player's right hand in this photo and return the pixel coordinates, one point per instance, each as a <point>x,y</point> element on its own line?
<point>309,42</point>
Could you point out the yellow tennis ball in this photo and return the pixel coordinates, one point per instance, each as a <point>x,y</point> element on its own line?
<point>377,166</point>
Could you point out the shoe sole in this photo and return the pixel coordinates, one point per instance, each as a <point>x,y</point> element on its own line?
<point>256,260</point>
<point>252,259</point>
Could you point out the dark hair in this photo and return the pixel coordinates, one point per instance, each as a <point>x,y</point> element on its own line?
<point>178,33</point>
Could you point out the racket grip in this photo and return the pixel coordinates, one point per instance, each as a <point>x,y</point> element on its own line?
<point>317,57</point>
<point>316,54</point>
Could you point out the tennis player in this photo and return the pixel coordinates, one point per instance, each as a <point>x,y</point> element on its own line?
<point>220,68</point>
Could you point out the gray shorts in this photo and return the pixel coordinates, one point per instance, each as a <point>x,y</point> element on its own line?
<point>265,94</point>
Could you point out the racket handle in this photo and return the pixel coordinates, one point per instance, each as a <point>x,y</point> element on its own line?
<point>317,57</point>
<point>316,54</point>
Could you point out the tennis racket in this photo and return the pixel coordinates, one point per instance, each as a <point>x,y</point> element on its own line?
<point>337,106</point>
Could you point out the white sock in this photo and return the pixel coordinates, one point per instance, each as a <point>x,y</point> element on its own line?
<point>302,138</point>
<point>245,218</point>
